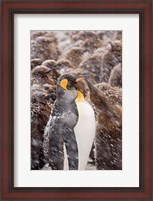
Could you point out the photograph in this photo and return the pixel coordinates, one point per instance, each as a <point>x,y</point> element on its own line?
<point>76,99</point>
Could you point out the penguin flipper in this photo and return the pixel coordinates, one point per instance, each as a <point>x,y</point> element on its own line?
<point>53,144</point>
<point>56,154</point>
<point>71,148</point>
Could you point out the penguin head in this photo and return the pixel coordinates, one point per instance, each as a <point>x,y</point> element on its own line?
<point>67,83</point>
<point>41,75</point>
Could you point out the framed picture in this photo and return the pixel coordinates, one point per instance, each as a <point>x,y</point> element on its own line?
<point>76,100</point>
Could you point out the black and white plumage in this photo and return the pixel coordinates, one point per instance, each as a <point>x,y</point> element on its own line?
<point>70,131</point>
<point>60,127</point>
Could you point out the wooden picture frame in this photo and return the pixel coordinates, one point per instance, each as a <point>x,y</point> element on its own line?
<point>8,10</point>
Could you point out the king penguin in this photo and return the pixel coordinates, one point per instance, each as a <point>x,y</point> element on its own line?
<point>84,129</point>
<point>71,127</point>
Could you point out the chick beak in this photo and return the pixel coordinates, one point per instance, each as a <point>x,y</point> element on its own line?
<point>112,45</point>
<point>79,79</point>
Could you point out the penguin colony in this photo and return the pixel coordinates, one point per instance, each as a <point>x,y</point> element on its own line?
<point>95,56</point>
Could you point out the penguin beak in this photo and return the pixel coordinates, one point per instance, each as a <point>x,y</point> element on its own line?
<point>79,79</point>
<point>112,45</point>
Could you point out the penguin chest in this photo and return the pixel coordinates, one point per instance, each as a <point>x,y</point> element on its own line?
<point>85,132</point>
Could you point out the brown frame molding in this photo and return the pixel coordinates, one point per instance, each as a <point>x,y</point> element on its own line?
<point>11,7</point>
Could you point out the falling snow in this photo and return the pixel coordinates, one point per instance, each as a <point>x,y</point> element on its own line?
<point>96,55</point>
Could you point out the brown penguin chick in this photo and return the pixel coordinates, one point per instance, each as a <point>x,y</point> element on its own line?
<point>75,36</point>
<point>89,35</point>
<point>51,93</point>
<point>40,75</point>
<point>119,35</point>
<point>67,47</point>
<point>116,76</point>
<point>82,35</point>
<point>49,63</point>
<point>58,67</point>
<point>107,35</point>
<point>102,103</point>
<point>35,62</point>
<point>54,73</point>
<point>110,59</point>
<point>35,34</point>
<point>49,34</point>
<point>91,44</point>
<point>44,93</point>
<point>64,65</point>
<point>92,67</point>
<point>77,72</point>
<point>108,132</point>
<point>40,111</point>
<point>113,94</point>
<point>101,35</point>
<point>116,47</point>
<point>75,56</point>
<point>44,48</point>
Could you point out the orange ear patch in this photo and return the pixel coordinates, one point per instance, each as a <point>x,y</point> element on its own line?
<point>80,96</point>
<point>64,83</point>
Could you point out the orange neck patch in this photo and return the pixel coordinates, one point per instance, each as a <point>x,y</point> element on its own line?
<point>80,96</point>
<point>64,83</point>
